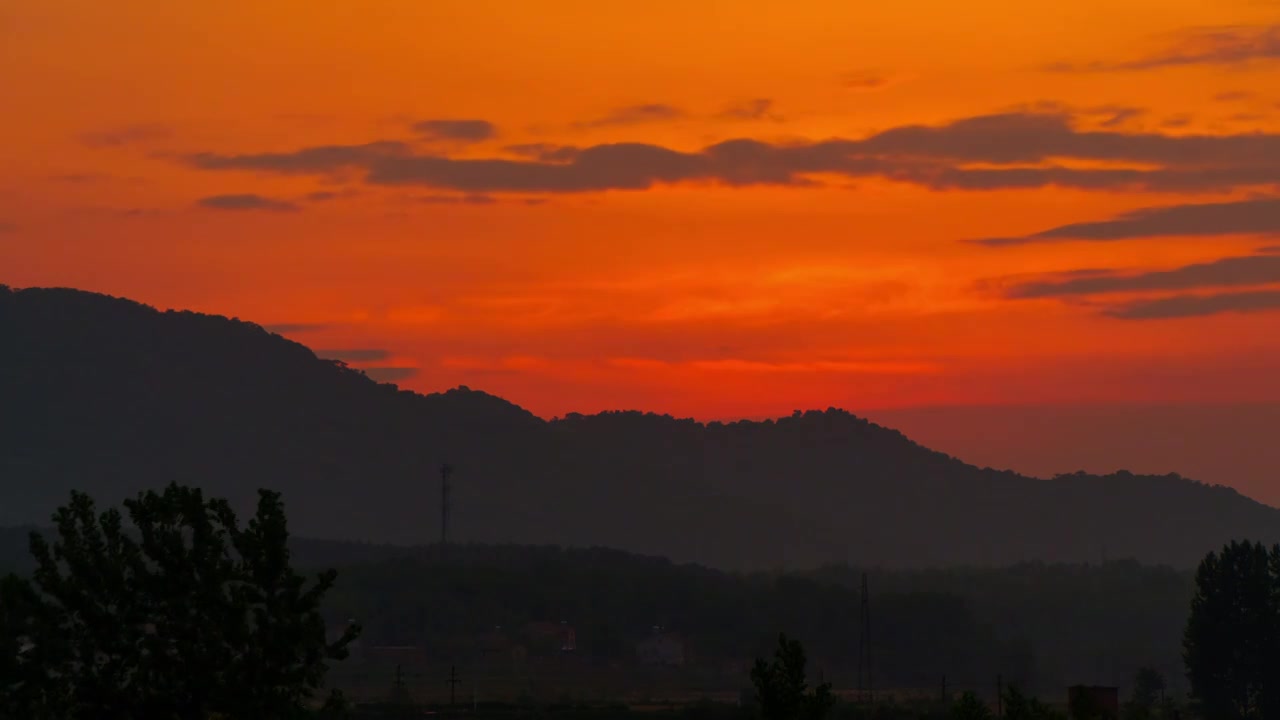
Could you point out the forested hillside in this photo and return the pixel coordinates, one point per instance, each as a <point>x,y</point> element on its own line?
<point>110,396</point>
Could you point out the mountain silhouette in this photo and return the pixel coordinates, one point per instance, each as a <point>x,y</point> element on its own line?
<point>111,397</point>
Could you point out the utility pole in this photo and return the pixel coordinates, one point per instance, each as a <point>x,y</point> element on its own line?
<point>453,684</point>
<point>944,689</point>
<point>446,491</point>
<point>865,670</point>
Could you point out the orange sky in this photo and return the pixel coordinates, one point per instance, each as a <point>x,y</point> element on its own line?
<point>214,156</point>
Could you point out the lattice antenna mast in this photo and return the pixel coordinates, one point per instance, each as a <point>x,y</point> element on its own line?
<point>865,669</point>
<point>446,499</point>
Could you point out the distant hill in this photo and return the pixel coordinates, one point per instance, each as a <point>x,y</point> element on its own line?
<point>110,396</point>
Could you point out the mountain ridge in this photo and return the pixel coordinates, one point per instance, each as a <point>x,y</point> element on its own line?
<point>113,396</point>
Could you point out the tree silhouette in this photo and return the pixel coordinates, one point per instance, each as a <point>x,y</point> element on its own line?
<point>183,615</point>
<point>781,688</point>
<point>1148,685</point>
<point>1232,640</point>
<point>969,707</point>
<point>1018,706</point>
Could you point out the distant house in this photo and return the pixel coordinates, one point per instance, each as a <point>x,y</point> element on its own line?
<point>497,645</point>
<point>493,642</point>
<point>662,648</point>
<point>549,637</point>
<point>1086,701</point>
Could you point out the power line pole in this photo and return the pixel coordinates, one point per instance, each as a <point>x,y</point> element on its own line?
<point>865,670</point>
<point>446,491</point>
<point>453,684</point>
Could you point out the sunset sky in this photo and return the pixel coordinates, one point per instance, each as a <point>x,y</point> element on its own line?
<point>714,209</point>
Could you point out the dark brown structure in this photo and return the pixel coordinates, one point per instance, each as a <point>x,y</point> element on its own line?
<point>1090,702</point>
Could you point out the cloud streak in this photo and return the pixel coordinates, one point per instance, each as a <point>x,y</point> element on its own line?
<point>544,152</point>
<point>128,135</point>
<point>1185,306</point>
<point>246,201</point>
<point>1245,217</point>
<point>468,130</point>
<point>1233,271</point>
<point>457,199</point>
<point>636,115</point>
<point>1233,96</point>
<point>1015,150</point>
<point>865,80</point>
<point>755,109</point>
<point>1231,45</point>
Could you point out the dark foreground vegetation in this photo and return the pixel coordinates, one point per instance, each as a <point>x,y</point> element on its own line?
<point>496,613</point>
<point>1042,627</point>
<point>175,610</point>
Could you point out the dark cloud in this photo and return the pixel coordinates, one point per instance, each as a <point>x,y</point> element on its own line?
<point>865,80</point>
<point>290,328</point>
<point>91,178</point>
<point>1269,250</point>
<point>1232,45</point>
<point>458,199</point>
<point>1233,96</point>
<point>1117,116</point>
<point>327,195</point>
<point>355,354</point>
<point>461,130</point>
<point>1227,272</point>
<point>935,156</point>
<point>390,374</point>
<point>637,114</point>
<point>246,201</point>
<point>1177,121</point>
<point>755,109</point>
<point>544,152</point>
<point>7,227</point>
<point>1260,216</point>
<point>128,135</point>
<point>1182,306</point>
<point>309,161</point>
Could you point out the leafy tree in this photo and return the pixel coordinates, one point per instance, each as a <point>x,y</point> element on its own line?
<point>969,707</point>
<point>184,615</point>
<point>781,688</point>
<point>1231,644</point>
<point>1148,685</point>
<point>1020,707</point>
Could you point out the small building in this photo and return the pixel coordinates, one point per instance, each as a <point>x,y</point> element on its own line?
<point>662,648</point>
<point>549,637</point>
<point>1087,702</point>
